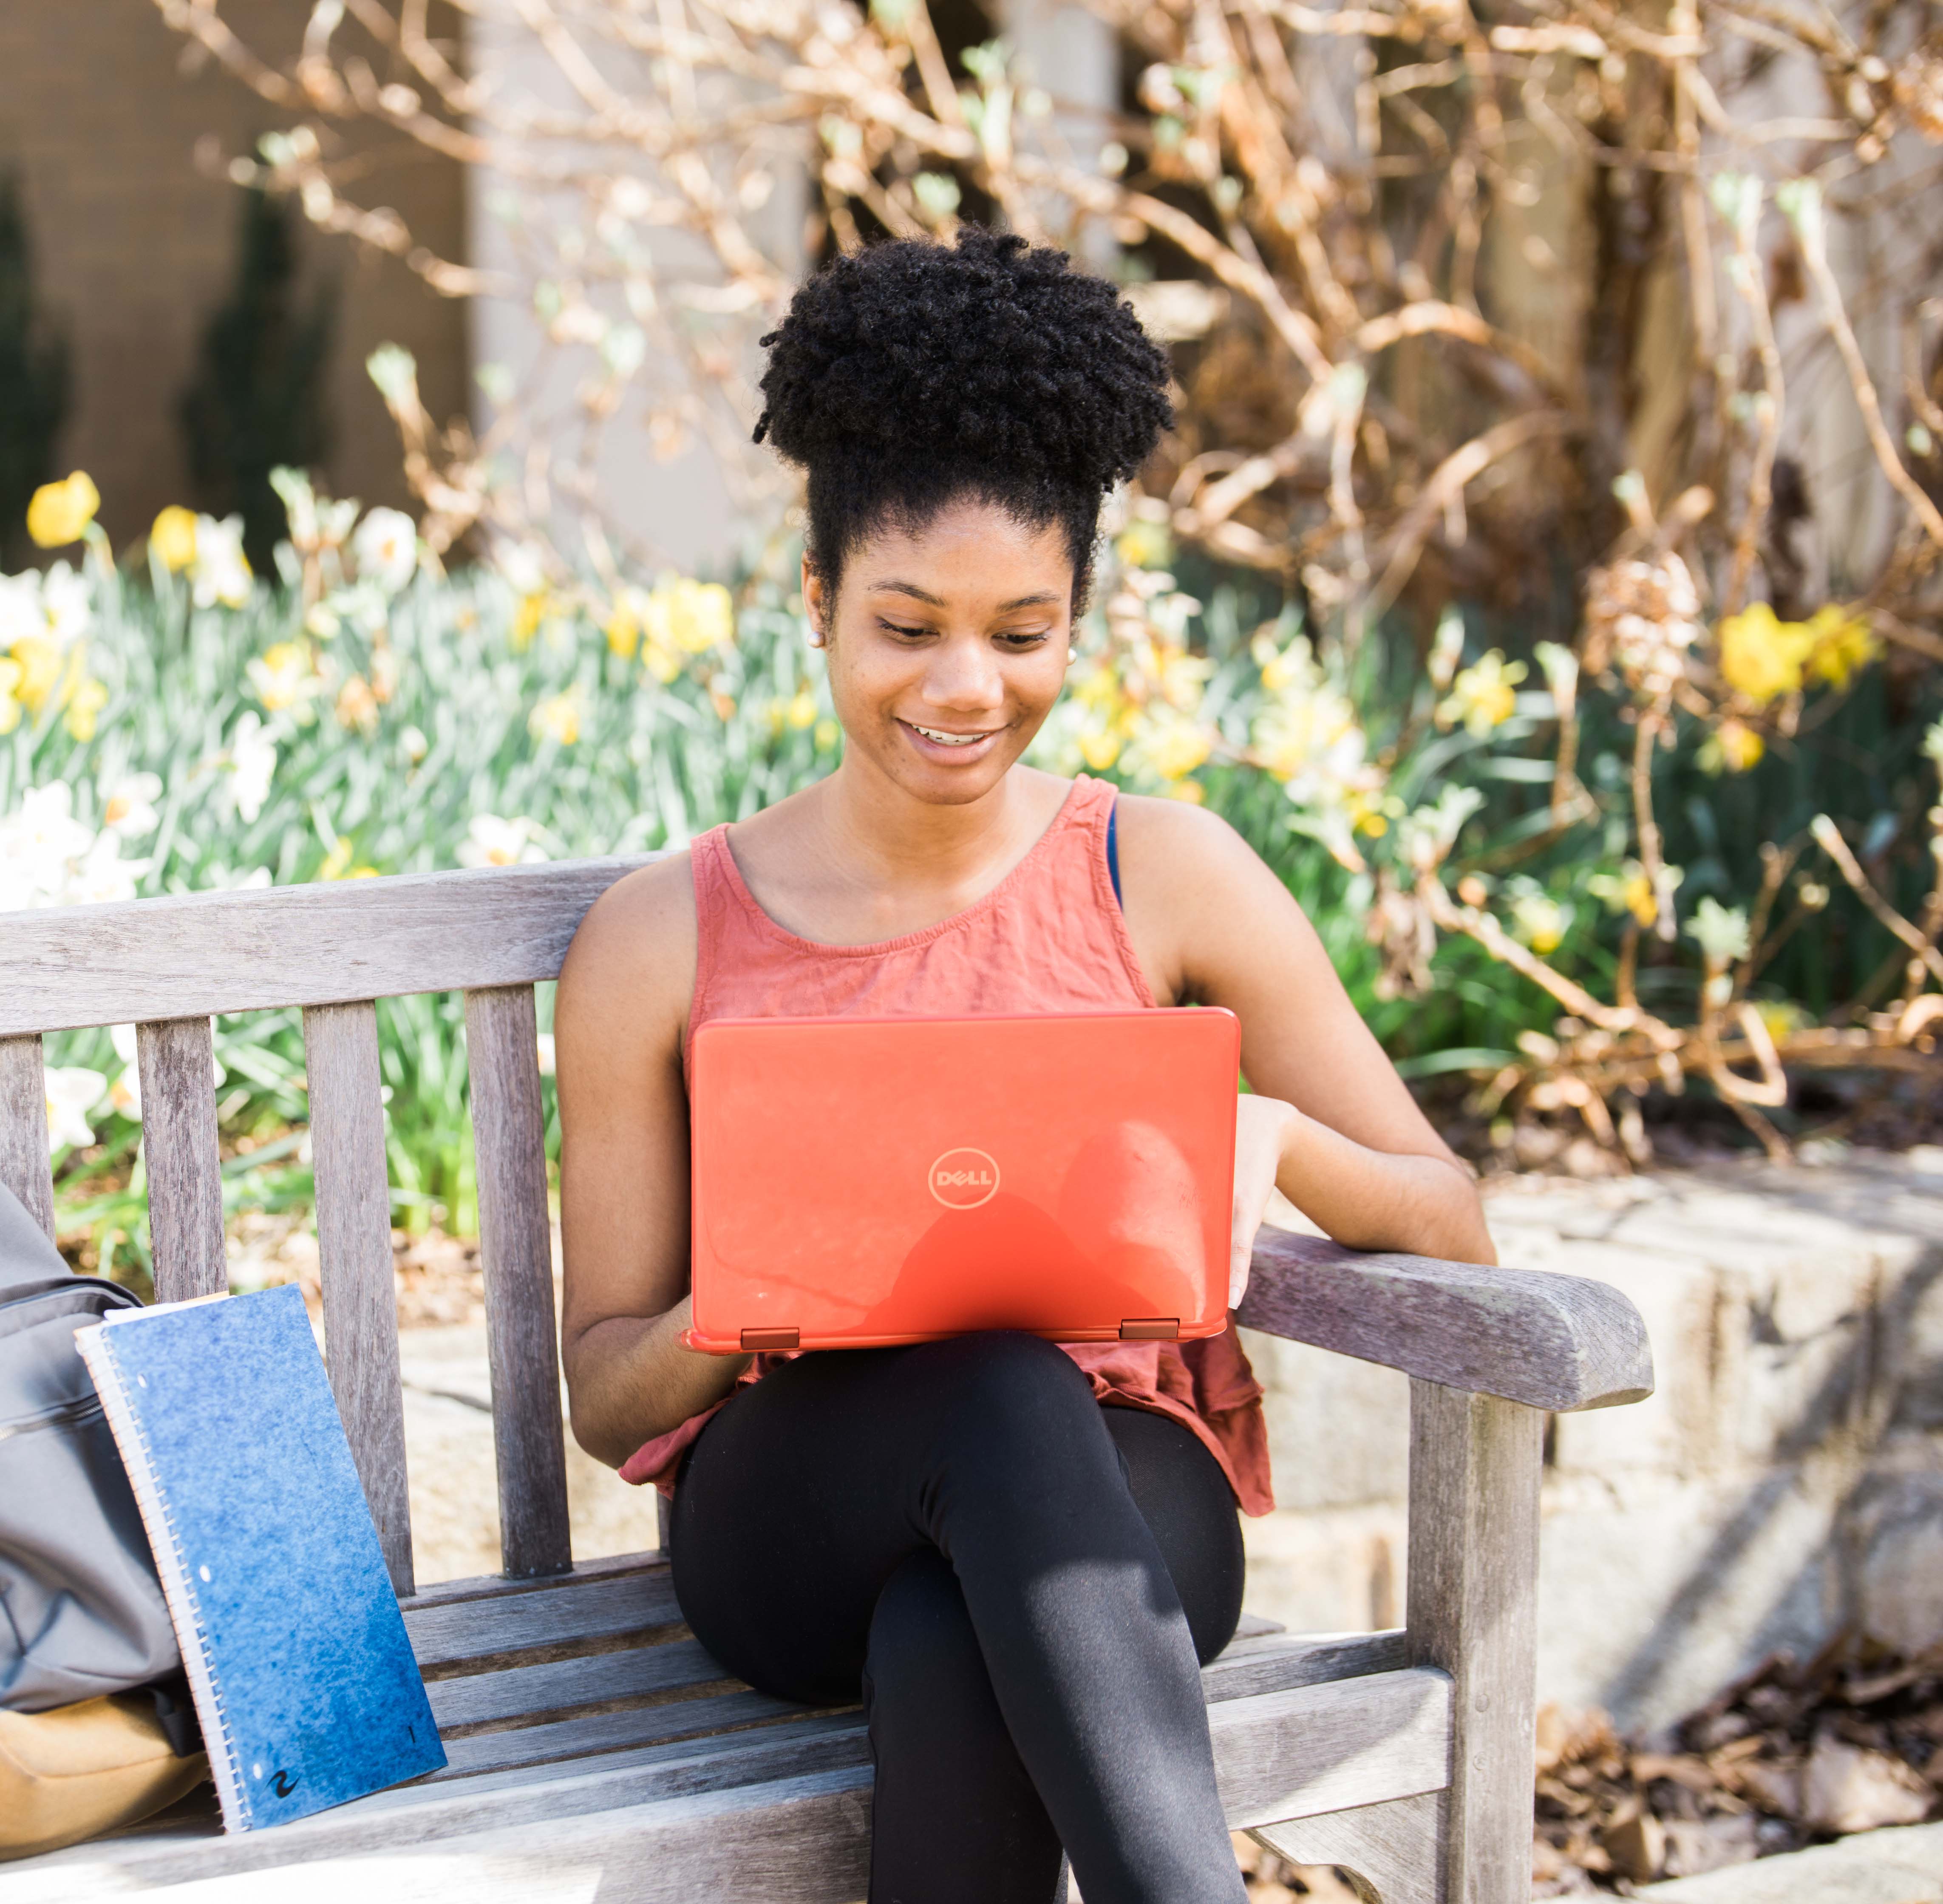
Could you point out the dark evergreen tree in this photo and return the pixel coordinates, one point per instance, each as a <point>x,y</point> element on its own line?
<point>34,379</point>
<point>257,399</point>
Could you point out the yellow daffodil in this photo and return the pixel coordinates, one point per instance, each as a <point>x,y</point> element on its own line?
<point>1172,746</point>
<point>557,719</point>
<point>172,538</point>
<point>803,709</point>
<point>1842,643</point>
<point>1483,696</point>
<point>60,512</point>
<point>1099,749</point>
<point>1540,921</point>
<point>84,705</point>
<point>527,618</point>
<point>282,677</point>
<point>1192,791</point>
<point>1733,748</point>
<point>11,675</point>
<point>623,630</point>
<point>40,664</point>
<point>701,615</point>
<point>828,734</point>
<point>1145,546</point>
<point>1761,655</point>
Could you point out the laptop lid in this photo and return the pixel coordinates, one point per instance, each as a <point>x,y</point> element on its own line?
<point>859,1182</point>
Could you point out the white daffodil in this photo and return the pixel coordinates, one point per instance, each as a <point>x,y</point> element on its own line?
<point>102,874</point>
<point>21,614</point>
<point>48,858</point>
<point>385,548</point>
<point>253,762</point>
<point>546,1053</point>
<point>491,841</point>
<point>220,572</point>
<point>68,604</point>
<point>130,809</point>
<point>73,1091</point>
<point>523,567</point>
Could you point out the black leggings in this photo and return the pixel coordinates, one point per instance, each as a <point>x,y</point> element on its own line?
<point>1017,1580</point>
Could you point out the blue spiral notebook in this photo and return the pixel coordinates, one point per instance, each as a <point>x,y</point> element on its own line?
<point>304,1679</point>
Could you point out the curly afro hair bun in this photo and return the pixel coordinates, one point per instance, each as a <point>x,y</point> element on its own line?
<point>912,374</point>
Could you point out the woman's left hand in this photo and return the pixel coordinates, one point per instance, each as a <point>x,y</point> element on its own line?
<point>1262,1129</point>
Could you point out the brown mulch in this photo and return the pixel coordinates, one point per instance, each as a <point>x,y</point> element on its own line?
<point>1794,1753</point>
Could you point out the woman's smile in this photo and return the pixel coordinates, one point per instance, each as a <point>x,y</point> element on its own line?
<point>944,743</point>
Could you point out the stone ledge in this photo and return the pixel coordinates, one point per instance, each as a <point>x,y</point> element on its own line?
<point>1902,1865</point>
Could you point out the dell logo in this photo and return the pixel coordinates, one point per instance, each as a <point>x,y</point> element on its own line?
<point>962,1180</point>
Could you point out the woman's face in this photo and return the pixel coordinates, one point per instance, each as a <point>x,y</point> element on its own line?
<point>947,645</point>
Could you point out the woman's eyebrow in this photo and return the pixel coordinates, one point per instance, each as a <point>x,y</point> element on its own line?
<point>907,588</point>
<point>1042,599</point>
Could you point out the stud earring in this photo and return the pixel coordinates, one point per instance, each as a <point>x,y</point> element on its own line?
<point>1071,656</point>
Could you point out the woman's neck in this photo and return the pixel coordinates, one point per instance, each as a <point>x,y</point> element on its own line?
<point>849,862</point>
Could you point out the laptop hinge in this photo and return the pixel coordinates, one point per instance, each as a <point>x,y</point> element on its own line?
<point>770,1341</point>
<point>1151,1328</point>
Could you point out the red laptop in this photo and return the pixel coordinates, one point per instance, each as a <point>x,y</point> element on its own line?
<point>859,1182</point>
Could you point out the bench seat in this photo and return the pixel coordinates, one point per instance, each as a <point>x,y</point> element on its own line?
<point>583,1722</point>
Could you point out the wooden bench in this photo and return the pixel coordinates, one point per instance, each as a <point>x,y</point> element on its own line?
<point>594,1747</point>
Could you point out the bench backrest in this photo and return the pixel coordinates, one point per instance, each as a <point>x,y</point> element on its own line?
<point>168,964</point>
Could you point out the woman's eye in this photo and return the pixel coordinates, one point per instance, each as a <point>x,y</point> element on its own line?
<point>909,634</point>
<point>1023,638</point>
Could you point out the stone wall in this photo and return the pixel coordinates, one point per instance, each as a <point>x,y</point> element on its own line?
<point>1785,1481</point>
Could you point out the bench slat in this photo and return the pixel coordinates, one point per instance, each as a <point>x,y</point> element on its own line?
<point>24,1160</point>
<point>177,1060</point>
<point>464,1636</point>
<point>354,1240</point>
<point>515,1250</point>
<point>325,943</point>
<point>677,1669</point>
<point>592,1733</point>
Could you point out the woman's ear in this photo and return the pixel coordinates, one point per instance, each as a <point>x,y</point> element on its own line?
<point>816,604</point>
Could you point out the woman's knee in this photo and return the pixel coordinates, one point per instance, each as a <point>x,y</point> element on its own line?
<point>1006,1388</point>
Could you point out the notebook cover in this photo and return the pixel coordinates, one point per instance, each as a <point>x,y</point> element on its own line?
<point>304,1680</point>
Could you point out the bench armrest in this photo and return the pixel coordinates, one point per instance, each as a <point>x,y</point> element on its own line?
<point>1549,1341</point>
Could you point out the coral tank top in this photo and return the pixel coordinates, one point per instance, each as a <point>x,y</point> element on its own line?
<point>1049,937</point>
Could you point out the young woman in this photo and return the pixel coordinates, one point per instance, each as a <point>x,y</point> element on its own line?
<point>1015,1554</point>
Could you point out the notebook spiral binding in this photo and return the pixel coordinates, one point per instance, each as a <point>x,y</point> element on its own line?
<point>178,1587</point>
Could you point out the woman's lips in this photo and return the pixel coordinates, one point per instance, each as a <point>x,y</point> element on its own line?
<point>942,743</point>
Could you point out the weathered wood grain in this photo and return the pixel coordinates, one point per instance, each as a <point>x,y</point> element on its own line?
<point>515,1252</point>
<point>24,1158</point>
<point>175,1060</point>
<point>1549,1341</point>
<point>325,943</point>
<point>554,1688</point>
<point>1314,1748</point>
<point>1326,1748</point>
<point>588,1735</point>
<point>1394,1848</point>
<point>578,1612</point>
<point>1475,1464</point>
<point>1279,1661</point>
<point>354,1240</point>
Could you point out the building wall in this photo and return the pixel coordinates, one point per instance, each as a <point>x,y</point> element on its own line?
<point>135,241</point>
<point>1784,1484</point>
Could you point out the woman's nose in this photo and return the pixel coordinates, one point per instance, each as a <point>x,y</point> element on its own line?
<point>964,674</point>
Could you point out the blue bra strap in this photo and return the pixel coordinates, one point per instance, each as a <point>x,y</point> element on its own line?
<point>1113,850</point>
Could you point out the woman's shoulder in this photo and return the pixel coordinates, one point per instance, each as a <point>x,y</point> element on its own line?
<point>1175,841</point>
<point>635,949</point>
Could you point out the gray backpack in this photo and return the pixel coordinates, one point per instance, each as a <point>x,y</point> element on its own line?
<point>82,1612</point>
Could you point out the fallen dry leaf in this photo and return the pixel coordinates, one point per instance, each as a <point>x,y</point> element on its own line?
<point>1851,1788</point>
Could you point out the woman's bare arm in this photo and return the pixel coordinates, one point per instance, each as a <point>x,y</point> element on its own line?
<point>1349,1146</point>
<point>619,1021</point>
